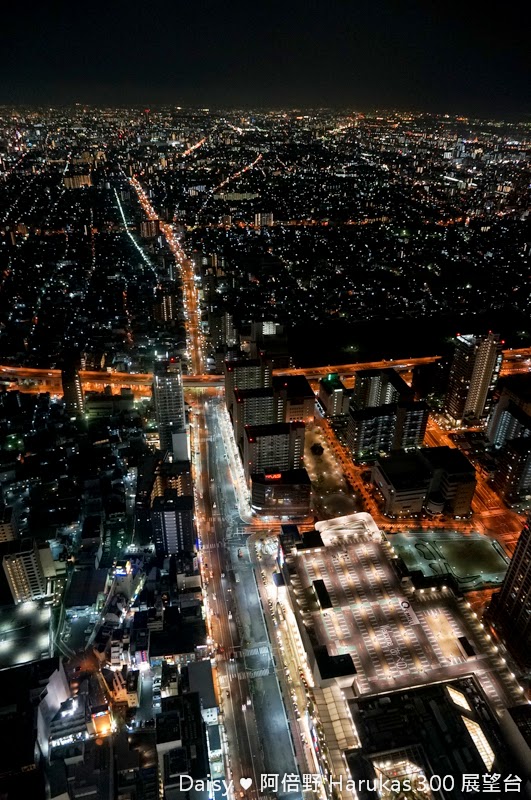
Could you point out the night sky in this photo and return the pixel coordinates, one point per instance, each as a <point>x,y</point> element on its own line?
<point>435,56</point>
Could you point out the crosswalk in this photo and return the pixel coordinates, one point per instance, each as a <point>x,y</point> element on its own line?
<point>258,650</point>
<point>234,672</point>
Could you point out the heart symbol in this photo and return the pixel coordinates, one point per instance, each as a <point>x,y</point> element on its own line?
<point>245,783</point>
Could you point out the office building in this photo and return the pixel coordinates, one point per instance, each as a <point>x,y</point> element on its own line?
<point>24,572</point>
<point>273,448</point>
<point>172,518</point>
<point>333,395</point>
<point>453,479</point>
<point>135,759</point>
<point>438,480</point>
<point>473,374</point>
<point>251,373</point>
<point>170,412</point>
<point>510,608</point>
<point>379,387</point>
<point>72,390</point>
<point>513,476</point>
<point>403,482</point>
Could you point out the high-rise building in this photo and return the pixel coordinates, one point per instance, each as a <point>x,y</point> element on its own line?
<point>169,408</point>
<point>24,572</point>
<point>252,407</point>
<point>171,474</point>
<point>411,422</point>
<point>172,518</point>
<point>333,396</point>
<point>270,338</point>
<point>371,431</point>
<point>380,429</point>
<point>273,448</point>
<point>149,228</point>
<point>8,524</point>
<point>511,416</point>
<point>513,476</point>
<point>453,479</point>
<point>379,387</point>
<point>72,389</point>
<point>263,219</point>
<point>510,608</point>
<point>507,422</point>
<point>166,304</point>
<point>251,373</point>
<point>229,334</point>
<point>473,375</point>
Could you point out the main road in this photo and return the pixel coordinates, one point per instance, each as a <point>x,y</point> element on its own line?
<point>256,735</point>
<point>256,731</point>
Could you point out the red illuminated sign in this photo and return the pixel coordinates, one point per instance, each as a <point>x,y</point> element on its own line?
<point>275,476</point>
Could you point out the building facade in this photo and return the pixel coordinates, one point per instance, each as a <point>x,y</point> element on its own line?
<point>172,518</point>
<point>473,374</point>
<point>513,476</point>
<point>273,448</point>
<point>510,609</point>
<point>251,373</point>
<point>170,412</point>
<point>72,390</point>
<point>24,572</point>
<point>333,396</point>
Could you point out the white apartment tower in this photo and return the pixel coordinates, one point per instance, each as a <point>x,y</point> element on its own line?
<point>169,408</point>
<point>473,375</point>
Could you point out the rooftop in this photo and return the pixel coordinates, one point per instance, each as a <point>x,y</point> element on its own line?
<point>449,459</point>
<point>24,633</point>
<point>428,730</point>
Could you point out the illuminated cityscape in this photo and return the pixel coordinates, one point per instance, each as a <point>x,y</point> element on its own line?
<point>265,407</point>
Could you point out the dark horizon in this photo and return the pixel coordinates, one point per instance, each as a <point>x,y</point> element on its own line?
<point>317,55</point>
<point>145,104</point>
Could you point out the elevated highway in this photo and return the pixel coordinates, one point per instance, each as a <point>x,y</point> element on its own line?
<point>33,380</point>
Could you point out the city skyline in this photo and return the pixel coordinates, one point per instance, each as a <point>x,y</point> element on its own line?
<point>264,511</point>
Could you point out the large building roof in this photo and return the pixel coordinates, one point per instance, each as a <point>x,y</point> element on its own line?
<point>404,470</point>
<point>85,586</point>
<point>449,459</point>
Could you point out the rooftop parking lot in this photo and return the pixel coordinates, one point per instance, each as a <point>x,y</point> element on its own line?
<point>396,637</point>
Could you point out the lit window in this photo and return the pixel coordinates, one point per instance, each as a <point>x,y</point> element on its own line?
<point>458,698</point>
<point>480,740</point>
